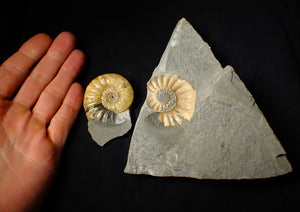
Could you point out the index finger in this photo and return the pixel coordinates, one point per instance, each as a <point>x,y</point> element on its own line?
<point>15,69</point>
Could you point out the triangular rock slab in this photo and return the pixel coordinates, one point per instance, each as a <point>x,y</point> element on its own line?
<point>228,136</point>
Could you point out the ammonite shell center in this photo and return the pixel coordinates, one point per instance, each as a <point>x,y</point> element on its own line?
<point>167,98</point>
<point>113,97</point>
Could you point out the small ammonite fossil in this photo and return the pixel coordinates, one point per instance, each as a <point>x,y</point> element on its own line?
<point>106,95</point>
<point>172,97</point>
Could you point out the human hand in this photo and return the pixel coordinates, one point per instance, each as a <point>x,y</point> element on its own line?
<point>35,123</point>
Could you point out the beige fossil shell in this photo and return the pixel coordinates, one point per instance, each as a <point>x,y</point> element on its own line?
<point>172,97</point>
<point>107,94</point>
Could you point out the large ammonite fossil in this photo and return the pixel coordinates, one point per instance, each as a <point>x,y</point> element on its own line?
<point>106,95</point>
<point>172,97</point>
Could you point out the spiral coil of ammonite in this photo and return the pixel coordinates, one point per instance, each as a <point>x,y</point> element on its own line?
<point>106,95</point>
<point>172,97</point>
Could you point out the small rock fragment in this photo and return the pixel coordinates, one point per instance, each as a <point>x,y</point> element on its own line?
<point>106,101</point>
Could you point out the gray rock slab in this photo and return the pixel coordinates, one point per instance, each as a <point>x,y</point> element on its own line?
<point>102,132</point>
<point>228,136</point>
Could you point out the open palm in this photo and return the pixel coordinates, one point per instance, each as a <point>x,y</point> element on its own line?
<point>35,122</point>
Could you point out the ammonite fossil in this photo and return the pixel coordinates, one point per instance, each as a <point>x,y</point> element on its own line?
<point>172,97</point>
<point>106,95</point>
